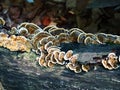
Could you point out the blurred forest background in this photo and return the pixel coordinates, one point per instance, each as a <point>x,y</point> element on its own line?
<point>89,15</point>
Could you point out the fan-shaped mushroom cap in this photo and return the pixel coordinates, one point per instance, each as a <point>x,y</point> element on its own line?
<point>50,64</point>
<point>63,38</point>
<point>31,27</point>
<point>81,37</point>
<point>49,44</point>
<point>102,37</point>
<point>61,55</point>
<point>61,58</point>
<point>74,36</point>
<point>111,38</point>
<point>23,31</point>
<point>38,37</point>
<point>41,59</point>
<point>56,55</point>
<point>52,49</point>
<point>76,29</point>
<point>13,30</point>
<point>86,68</point>
<point>48,57</point>
<point>58,31</point>
<point>113,63</point>
<point>88,40</point>
<point>49,27</point>
<point>43,41</point>
<point>106,65</point>
<point>77,69</point>
<point>73,59</point>
<point>22,25</point>
<point>52,59</point>
<point>68,54</point>
<point>117,41</point>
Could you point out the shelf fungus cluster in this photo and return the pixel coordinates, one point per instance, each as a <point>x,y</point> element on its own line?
<point>111,61</point>
<point>52,55</point>
<point>14,43</point>
<point>46,43</point>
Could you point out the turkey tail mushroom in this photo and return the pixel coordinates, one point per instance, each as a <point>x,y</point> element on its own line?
<point>68,54</point>
<point>74,35</point>
<point>38,37</point>
<point>31,27</point>
<point>81,37</point>
<point>63,38</point>
<point>58,31</point>
<point>49,28</point>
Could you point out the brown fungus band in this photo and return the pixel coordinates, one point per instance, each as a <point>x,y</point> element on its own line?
<point>47,41</point>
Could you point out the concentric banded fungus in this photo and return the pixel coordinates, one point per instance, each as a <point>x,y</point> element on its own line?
<point>117,41</point>
<point>76,29</point>
<point>74,36</point>
<point>106,65</point>
<point>22,25</point>
<point>15,43</point>
<point>63,38</point>
<point>58,31</point>
<point>77,69</point>
<point>42,49</point>
<point>50,64</point>
<point>68,54</point>
<point>38,37</point>
<point>52,59</point>
<point>74,67</point>
<point>85,68</point>
<point>49,27</point>
<point>46,42</point>
<point>31,27</point>
<point>41,59</point>
<point>61,55</point>
<point>13,31</point>
<point>47,58</point>
<point>111,38</point>
<point>112,60</point>
<point>43,41</point>
<point>81,37</point>
<point>102,37</point>
<point>61,58</point>
<point>88,40</point>
<point>73,59</point>
<point>23,31</point>
<point>113,63</point>
<point>56,55</point>
<point>94,38</point>
<point>70,66</point>
<point>90,35</point>
<point>49,44</point>
<point>52,49</point>
<point>51,38</point>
